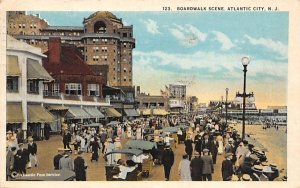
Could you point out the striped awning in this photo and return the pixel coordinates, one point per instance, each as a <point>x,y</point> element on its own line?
<point>77,113</point>
<point>111,112</point>
<point>14,113</point>
<point>94,112</point>
<point>38,114</point>
<point>160,112</point>
<point>12,66</point>
<point>131,112</point>
<point>36,71</point>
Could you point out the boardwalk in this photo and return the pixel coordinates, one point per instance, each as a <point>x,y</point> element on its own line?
<point>96,171</point>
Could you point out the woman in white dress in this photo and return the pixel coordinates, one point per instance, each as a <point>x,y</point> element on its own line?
<point>118,146</point>
<point>219,140</point>
<point>129,132</point>
<point>109,147</point>
<point>139,133</point>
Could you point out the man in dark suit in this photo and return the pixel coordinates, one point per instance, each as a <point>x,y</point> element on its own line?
<point>32,150</point>
<point>67,139</point>
<point>196,167</point>
<point>167,161</point>
<point>206,143</point>
<point>208,167</point>
<point>79,167</point>
<point>227,167</point>
<point>21,159</point>
<point>57,158</point>
<point>198,142</point>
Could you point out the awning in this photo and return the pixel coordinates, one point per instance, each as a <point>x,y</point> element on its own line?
<point>146,112</point>
<point>160,112</point>
<point>131,112</point>
<point>37,71</point>
<point>94,112</point>
<point>77,113</point>
<point>14,113</point>
<point>38,114</point>
<point>111,112</point>
<point>57,107</point>
<point>12,66</point>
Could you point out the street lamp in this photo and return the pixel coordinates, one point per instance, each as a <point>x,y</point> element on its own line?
<point>245,62</point>
<point>226,104</point>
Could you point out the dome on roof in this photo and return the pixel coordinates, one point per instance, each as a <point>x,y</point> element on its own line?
<point>105,14</point>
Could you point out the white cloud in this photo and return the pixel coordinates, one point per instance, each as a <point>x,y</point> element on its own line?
<point>151,26</point>
<point>275,46</point>
<point>212,63</point>
<point>224,40</point>
<point>187,35</point>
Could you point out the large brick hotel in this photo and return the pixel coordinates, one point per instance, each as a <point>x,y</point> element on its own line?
<point>105,43</point>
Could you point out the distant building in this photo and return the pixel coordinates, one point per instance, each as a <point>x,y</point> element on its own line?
<point>177,91</point>
<point>103,41</point>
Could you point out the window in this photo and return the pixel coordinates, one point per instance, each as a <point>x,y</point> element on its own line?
<point>23,25</point>
<point>124,79</point>
<point>20,26</point>
<point>104,40</point>
<point>96,58</point>
<point>34,25</point>
<point>124,69</point>
<point>73,89</point>
<point>33,86</point>
<point>95,49</point>
<point>95,40</point>
<point>124,59</point>
<point>104,57</point>
<point>45,92</point>
<point>104,49</point>
<point>124,34</point>
<point>12,83</point>
<point>55,89</point>
<point>93,89</point>
<point>124,45</point>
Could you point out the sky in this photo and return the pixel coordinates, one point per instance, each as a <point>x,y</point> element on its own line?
<point>205,49</point>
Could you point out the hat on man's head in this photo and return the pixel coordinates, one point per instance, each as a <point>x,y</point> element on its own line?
<point>246,177</point>
<point>253,157</point>
<point>228,155</point>
<point>235,178</point>
<point>60,149</point>
<point>206,150</point>
<point>257,168</point>
<point>30,138</point>
<point>109,140</point>
<point>230,140</point>
<point>284,178</point>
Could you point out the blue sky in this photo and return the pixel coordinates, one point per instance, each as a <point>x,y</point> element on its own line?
<point>205,48</point>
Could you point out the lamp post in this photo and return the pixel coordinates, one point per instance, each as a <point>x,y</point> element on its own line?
<point>226,104</point>
<point>245,62</point>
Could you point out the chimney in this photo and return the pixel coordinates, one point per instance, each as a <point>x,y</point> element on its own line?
<point>54,48</point>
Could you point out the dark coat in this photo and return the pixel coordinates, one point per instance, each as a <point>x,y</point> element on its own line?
<point>67,137</point>
<point>79,168</point>
<point>227,170</point>
<point>32,149</point>
<point>196,168</point>
<point>208,167</point>
<point>168,157</point>
<point>56,161</point>
<point>206,145</point>
<point>21,159</point>
<point>188,147</point>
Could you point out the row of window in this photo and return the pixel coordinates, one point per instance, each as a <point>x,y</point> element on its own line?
<point>12,86</point>
<point>124,70</point>
<point>124,79</point>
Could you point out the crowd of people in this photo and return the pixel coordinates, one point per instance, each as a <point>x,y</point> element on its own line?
<point>204,139</point>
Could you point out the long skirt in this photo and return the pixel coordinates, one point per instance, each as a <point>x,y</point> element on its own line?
<point>220,147</point>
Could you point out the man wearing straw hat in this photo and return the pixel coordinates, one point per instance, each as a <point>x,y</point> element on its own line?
<point>66,163</point>
<point>167,161</point>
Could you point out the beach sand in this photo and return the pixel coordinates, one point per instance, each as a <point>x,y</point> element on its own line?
<point>275,143</point>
